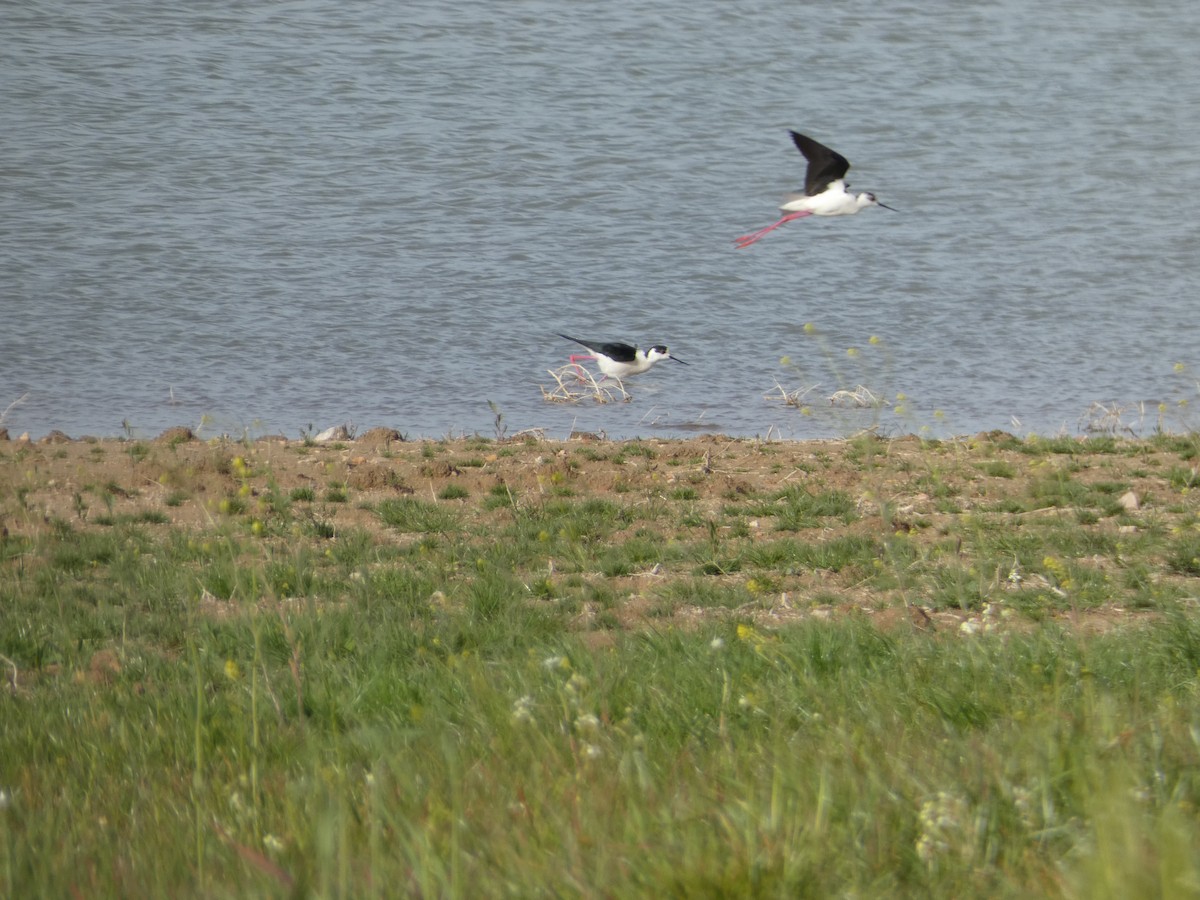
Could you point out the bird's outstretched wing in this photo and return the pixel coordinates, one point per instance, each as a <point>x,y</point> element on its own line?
<point>824,165</point>
<point>625,353</point>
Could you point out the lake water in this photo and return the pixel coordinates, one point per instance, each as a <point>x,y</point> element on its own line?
<point>266,216</point>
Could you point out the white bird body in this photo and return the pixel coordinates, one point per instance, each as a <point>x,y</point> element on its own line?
<point>641,362</point>
<point>835,200</point>
<point>619,360</point>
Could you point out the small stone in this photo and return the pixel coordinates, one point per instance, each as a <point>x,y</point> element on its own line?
<point>1128,501</point>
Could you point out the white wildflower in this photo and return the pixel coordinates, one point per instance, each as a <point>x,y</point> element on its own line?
<point>523,709</point>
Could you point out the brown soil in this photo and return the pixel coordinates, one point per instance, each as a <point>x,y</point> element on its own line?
<point>905,485</point>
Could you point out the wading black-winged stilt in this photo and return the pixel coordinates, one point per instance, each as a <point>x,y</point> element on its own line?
<point>619,360</point>
<point>825,189</point>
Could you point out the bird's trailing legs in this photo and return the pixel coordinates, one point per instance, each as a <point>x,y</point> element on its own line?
<point>575,357</point>
<point>747,239</point>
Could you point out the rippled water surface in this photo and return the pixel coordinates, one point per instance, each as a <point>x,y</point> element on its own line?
<point>266,216</point>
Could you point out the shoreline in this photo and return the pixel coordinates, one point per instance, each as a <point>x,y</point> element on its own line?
<point>344,434</point>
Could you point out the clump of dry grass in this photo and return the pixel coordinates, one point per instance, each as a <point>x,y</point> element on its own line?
<point>574,383</point>
<point>859,398</point>
<point>1101,419</point>
<point>797,398</point>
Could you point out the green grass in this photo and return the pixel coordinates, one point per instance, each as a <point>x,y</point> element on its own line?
<point>999,468</point>
<point>150,516</point>
<point>1183,477</point>
<point>522,694</point>
<point>501,495</point>
<point>408,514</point>
<point>1184,554</point>
<point>381,750</point>
<point>796,508</point>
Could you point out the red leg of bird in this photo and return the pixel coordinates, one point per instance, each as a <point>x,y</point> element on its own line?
<point>575,357</point>
<point>747,239</point>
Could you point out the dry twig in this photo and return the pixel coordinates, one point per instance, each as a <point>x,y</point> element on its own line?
<point>15,403</point>
<point>574,383</point>
<point>859,398</point>
<point>791,398</point>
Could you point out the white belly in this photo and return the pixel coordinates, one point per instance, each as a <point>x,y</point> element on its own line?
<point>833,201</point>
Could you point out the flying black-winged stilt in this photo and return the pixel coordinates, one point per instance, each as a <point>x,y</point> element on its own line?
<point>825,191</point>
<point>619,360</point>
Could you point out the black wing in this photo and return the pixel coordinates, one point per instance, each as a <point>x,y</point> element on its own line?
<point>824,165</point>
<point>613,350</point>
